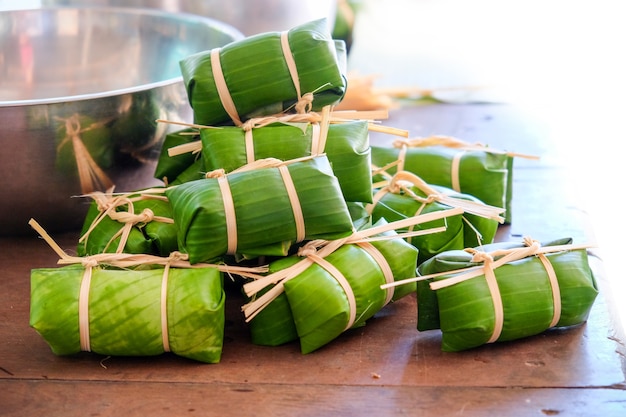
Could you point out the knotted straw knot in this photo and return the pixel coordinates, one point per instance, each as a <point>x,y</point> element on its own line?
<point>528,241</point>
<point>146,216</point>
<point>478,256</point>
<point>305,103</point>
<point>307,250</point>
<point>89,262</point>
<point>248,125</point>
<point>431,198</point>
<point>399,143</point>
<point>177,256</point>
<point>217,173</point>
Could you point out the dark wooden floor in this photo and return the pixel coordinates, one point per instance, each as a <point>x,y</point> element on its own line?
<point>387,368</point>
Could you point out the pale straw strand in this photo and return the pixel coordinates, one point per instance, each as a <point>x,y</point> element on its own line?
<point>249,143</point>
<point>556,289</point>
<point>291,63</point>
<point>83,309</point>
<point>455,169</point>
<point>345,285</point>
<point>164,329</point>
<point>384,267</point>
<point>229,209</point>
<point>294,200</point>
<point>222,87</point>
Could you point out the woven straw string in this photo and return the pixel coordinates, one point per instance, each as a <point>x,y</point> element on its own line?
<point>231,218</point>
<point>222,87</point>
<point>294,200</point>
<point>384,267</point>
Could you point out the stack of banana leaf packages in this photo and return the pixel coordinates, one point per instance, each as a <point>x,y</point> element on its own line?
<point>473,169</point>
<point>404,195</point>
<point>259,209</point>
<point>139,222</point>
<point>333,286</point>
<point>301,69</point>
<point>131,304</point>
<point>504,291</point>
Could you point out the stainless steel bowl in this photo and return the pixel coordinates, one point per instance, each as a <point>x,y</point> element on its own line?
<point>249,16</point>
<point>80,92</point>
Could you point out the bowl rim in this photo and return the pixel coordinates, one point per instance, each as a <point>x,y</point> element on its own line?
<point>218,24</point>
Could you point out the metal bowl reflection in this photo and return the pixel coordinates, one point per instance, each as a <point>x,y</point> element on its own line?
<point>80,92</point>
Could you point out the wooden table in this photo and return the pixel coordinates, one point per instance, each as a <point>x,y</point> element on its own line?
<point>386,368</point>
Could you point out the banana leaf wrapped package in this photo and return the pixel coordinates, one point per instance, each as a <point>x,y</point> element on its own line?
<point>259,205</point>
<point>504,291</point>
<point>130,305</point>
<point>274,324</point>
<point>405,194</point>
<point>266,74</point>
<point>139,223</point>
<point>477,170</point>
<point>333,286</point>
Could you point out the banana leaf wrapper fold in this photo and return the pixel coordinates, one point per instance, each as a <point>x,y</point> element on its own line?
<point>333,286</point>
<point>266,74</point>
<point>252,208</point>
<point>476,170</point>
<point>405,195</point>
<point>139,223</point>
<point>533,288</point>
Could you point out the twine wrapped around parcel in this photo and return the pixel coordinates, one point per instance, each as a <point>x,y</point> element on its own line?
<point>561,291</point>
<point>130,294</point>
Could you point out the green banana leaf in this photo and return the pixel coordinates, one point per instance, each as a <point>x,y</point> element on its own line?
<point>263,213</point>
<point>485,175</point>
<point>347,148</point>
<point>257,75</point>
<point>193,172</point>
<point>465,311</point>
<point>149,219</point>
<point>124,311</point>
<point>168,167</point>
